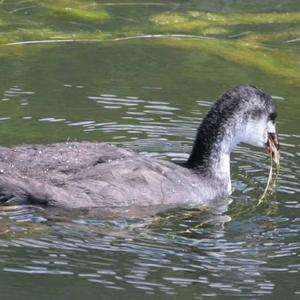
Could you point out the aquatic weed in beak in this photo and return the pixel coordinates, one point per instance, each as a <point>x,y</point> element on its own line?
<point>272,148</point>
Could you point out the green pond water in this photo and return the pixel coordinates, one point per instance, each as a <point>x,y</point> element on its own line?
<point>142,75</point>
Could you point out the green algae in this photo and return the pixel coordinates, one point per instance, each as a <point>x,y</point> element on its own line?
<point>278,62</point>
<point>198,19</point>
<point>75,10</point>
<point>242,38</point>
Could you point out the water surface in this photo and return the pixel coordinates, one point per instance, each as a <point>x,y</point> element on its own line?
<point>142,75</point>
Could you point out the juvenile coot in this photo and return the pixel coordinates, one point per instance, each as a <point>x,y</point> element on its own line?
<point>78,175</point>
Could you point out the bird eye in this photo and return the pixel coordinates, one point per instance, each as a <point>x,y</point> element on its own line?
<point>272,116</point>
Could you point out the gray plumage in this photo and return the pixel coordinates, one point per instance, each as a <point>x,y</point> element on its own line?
<point>94,174</point>
<point>78,175</point>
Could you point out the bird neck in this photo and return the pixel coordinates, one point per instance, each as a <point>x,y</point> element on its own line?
<point>210,155</point>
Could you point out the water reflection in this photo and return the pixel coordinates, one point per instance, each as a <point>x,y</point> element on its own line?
<point>142,111</point>
<point>161,256</point>
<point>158,120</point>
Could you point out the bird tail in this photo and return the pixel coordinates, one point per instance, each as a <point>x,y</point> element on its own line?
<point>31,191</point>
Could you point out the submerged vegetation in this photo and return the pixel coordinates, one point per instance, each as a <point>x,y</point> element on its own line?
<point>244,38</point>
<point>74,10</point>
